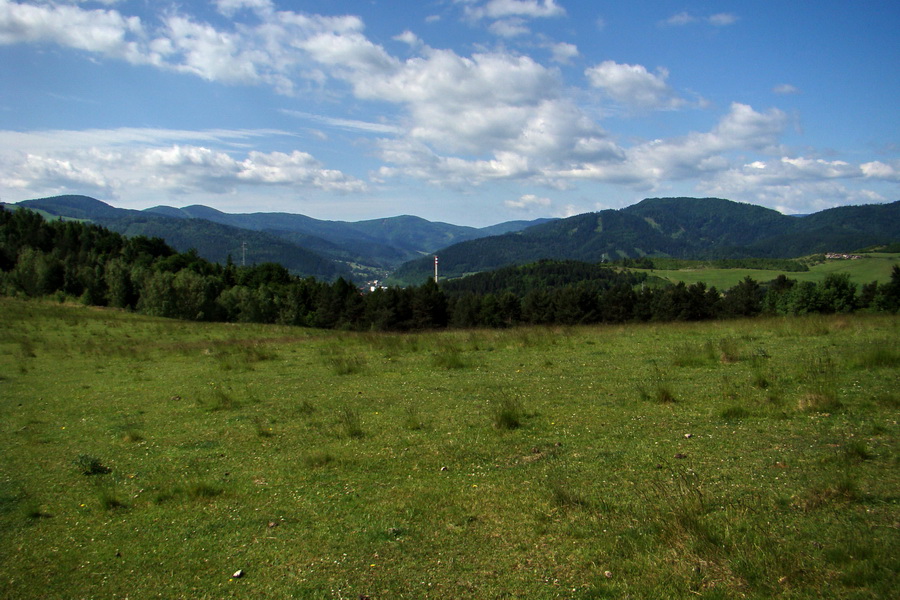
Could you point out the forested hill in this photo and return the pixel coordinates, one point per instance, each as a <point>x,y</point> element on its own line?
<point>698,228</point>
<point>304,245</point>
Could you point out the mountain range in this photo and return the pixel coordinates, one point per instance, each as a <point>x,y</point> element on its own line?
<point>692,228</point>
<point>400,248</point>
<point>304,245</point>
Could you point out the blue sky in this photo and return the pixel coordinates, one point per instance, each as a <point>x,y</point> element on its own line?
<point>465,111</point>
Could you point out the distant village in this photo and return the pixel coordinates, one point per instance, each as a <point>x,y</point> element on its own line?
<point>836,256</point>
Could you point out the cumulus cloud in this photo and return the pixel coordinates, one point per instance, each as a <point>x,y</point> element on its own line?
<point>498,9</point>
<point>104,32</point>
<point>110,161</point>
<point>409,38</point>
<point>881,170</point>
<point>787,183</point>
<point>509,28</point>
<point>696,155</point>
<point>528,202</point>
<point>275,51</point>
<point>563,52</point>
<point>230,7</point>
<point>634,86</point>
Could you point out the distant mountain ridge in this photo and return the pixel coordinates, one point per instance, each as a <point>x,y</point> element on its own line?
<point>700,228</point>
<point>304,245</point>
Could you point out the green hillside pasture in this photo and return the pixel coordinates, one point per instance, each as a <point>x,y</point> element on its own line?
<point>873,267</point>
<point>151,458</point>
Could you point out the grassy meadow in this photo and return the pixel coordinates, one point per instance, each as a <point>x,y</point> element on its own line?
<point>145,457</point>
<point>872,267</point>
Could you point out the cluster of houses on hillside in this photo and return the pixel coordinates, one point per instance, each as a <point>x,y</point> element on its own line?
<point>837,256</point>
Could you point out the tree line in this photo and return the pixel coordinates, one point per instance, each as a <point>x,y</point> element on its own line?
<point>73,260</point>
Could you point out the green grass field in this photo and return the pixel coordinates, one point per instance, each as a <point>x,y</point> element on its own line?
<point>873,267</point>
<point>152,458</point>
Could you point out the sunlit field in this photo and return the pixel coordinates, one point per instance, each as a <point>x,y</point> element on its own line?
<point>146,457</point>
<point>873,267</point>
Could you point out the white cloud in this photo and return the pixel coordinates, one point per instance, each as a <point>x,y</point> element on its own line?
<point>785,89</point>
<point>274,52</point>
<point>678,19</point>
<point>696,155</point>
<point>528,202</point>
<point>409,38</point>
<point>722,19</point>
<point>498,9</point>
<point>788,183</point>
<point>112,161</point>
<point>880,170</point>
<point>564,52</point>
<point>685,18</point>
<point>633,86</point>
<point>230,7</point>
<point>104,32</point>
<point>509,28</point>
<point>347,124</point>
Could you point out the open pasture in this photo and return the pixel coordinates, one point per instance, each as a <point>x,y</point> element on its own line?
<point>145,457</point>
<point>872,267</point>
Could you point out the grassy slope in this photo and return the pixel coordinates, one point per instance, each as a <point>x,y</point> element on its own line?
<point>875,267</point>
<point>330,465</point>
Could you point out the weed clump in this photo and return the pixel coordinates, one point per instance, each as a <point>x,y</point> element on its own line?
<point>346,364</point>
<point>449,356</point>
<point>218,399</point>
<point>657,388</point>
<point>318,459</point>
<point>197,490</point>
<point>413,420</point>
<point>109,499</point>
<point>874,356</point>
<point>565,496</point>
<point>507,413</point>
<point>820,385</point>
<point>693,355</point>
<point>734,413</point>
<point>729,351</point>
<point>132,435</point>
<point>350,423</point>
<point>91,465</point>
<point>856,451</point>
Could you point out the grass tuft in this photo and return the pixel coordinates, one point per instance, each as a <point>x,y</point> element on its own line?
<point>507,413</point>
<point>874,356</point>
<point>350,423</point>
<point>694,355</point>
<point>91,465</point>
<point>565,496</point>
<point>217,399</point>
<point>318,459</point>
<point>729,351</point>
<point>449,356</point>
<point>657,388</point>
<point>820,393</point>
<point>734,413</point>
<point>346,364</point>
<point>856,451</point>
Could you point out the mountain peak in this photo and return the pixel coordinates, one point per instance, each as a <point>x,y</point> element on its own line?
<point>75,206</point>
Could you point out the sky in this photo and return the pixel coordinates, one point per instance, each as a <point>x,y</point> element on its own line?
<point>471,112</point>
